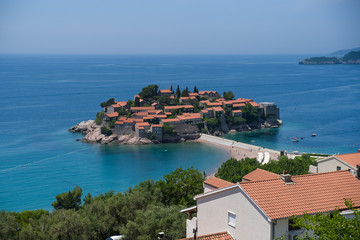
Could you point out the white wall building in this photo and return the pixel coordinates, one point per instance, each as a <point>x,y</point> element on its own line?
<point>261,209</point>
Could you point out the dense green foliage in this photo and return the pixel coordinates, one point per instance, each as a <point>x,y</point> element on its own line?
<point>352,56</point>
<point>233,170</point>
<point>169,129</point>
<point>212,124</point>
<point>228,95</point>
<point>181,186</point>
<point>149,92</point>
<point>99,118</point>
<point>106,131</point>
<point>69,200</point>
<point>250,113</point>
<point>112,124</point>
<point>109,102</point>
<point>235,120</point>
<point>330,226</point>
<point>139,213</point>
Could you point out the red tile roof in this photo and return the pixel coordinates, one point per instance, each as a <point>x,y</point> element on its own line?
<point>189,116</point>
<point>114,114</point>
<point>207,92</point>
<point>122,103</point>
<point>214,236</point>
<point>260,174</point>
<point>239,105</point>
<point>170,120</point>
<point>311,193</point>
<point>193,94</point>
<point>165,91</point>
<point>142,108</point>
<point>254,104</point>
<point>143,124</point>
<point>156,125</point>
<point>217,182</point>
<point>218,109</point>
<point>178,107</point>
<point>236,111</point>
<point>351,158</point>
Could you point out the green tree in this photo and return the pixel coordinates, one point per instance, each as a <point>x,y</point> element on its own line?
<point>88,199</point>
<point>137,102</point>
<point>228,95</point>
<point>233,170</point>
<point>180,186</point>
<point>154,219</point>
<point>8,225</point>
<point>149,92</point>
<point>169,129</point>
<point>250,113</point>
<point>109,102</point>
<point>330,226</point>
<point>106,131</point>
<point>99,118</point>
<point>69,200</point>
<point>195,89</point>
<point>178,93</point>
<point>112,124</point>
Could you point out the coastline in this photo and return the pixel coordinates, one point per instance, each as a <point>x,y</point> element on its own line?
<point>240,150</point>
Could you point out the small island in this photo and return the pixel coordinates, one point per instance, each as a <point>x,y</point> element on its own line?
<point>157,116</point>
<point>349,58</point>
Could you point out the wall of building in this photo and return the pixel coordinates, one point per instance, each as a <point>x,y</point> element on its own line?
<point>330,164</point>
<point>213,210</point>
<point>190,225</point>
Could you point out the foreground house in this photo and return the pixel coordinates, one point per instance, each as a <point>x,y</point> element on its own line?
<point>350,161</point>
<point>262,209</point>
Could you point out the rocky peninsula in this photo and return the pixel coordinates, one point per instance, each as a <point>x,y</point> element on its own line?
<point>157,116</point>
<point>349,58</point>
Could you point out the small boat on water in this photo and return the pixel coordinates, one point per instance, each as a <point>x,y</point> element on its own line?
<point>295,139</point>
<point>313,135</point>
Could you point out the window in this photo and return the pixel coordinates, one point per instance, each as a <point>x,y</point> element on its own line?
<point>338,168</point>
<point>231,218</point>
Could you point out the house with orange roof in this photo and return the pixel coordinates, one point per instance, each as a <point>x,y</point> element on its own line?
<point>207,113</point>
<point>213,183</point>
<point>184,108</point>
<point>165,92</point>
<point>350,162</point>
<point>215,236</point>
<point>259,175</point>
<point>193,94</point>
<point>187,99</point>
<point>236,113</point>
<point>261,209</point>
<point>218,111</point>
<point>170,121</point>
<point>141,109</point>
<point>111,116</point>
<point>190,118</point>
<point>209,94</point>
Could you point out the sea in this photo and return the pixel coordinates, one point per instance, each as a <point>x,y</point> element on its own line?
<point>42,96</point>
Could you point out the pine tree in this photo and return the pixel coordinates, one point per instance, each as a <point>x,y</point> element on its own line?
<point>178,92</point>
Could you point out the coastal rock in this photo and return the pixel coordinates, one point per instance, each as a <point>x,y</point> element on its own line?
<point>93,135</point>
<point>108,139</point>
<point>83,127</point>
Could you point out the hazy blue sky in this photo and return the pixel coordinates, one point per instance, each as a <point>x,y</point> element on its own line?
<point>178,26</point>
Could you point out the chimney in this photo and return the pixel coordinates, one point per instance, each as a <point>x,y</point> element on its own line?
<point>286,177</point>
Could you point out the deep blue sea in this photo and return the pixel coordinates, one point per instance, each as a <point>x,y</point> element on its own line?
<point>42,96</point>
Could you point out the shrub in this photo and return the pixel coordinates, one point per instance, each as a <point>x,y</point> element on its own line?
<point>106,131</point>
<point>99,118</point>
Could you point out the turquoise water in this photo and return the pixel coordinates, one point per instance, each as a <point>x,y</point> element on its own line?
<point>42,96</point>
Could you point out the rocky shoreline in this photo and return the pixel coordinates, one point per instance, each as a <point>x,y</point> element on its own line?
<point>94,135</point>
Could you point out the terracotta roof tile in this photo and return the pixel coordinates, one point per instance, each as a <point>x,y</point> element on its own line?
<point>311,193</point>
<point>142,108</point>
<point>165,91</point>
<point>351,158</point>
<point>114,114</point>
<point>178,107</point>
<point>217,182</point>
<point>214,236</point>
<point>260,174</point>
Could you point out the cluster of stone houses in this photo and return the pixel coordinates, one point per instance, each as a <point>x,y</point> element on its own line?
<point>260,207</point>
<point>148,120</point>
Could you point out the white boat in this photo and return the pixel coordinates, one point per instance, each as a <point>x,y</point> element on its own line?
<point>295,139</point>
<point>313,135</point>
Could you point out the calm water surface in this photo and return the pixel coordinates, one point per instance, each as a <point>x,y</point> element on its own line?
<point>42,96</point>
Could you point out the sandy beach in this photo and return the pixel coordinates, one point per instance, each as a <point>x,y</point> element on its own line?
<point>240,150</point>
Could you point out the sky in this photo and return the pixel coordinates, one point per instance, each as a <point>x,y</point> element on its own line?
<point>178,26</point>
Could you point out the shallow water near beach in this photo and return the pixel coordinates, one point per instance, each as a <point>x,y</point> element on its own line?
<point>43,96</point>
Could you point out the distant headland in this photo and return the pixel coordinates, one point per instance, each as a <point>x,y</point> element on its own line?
<point>156,116</point>
<point>352,57</point>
